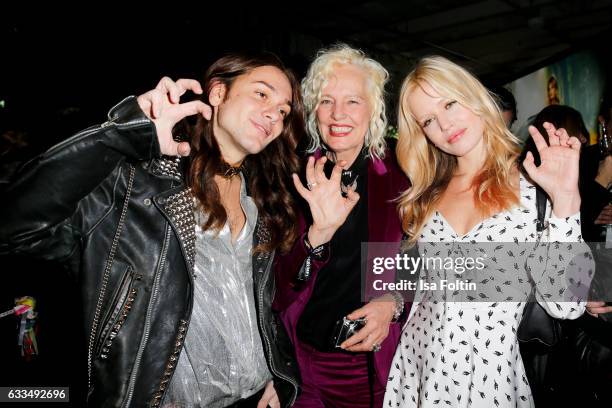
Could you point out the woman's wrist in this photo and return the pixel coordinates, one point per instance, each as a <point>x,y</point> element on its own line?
<point>318,237</point>
<point>566,204</point>
<point>396,305</point>
<point>317,251</point>
<point>399,305</point>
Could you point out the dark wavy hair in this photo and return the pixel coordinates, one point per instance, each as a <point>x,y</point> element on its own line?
<point>268,173</point>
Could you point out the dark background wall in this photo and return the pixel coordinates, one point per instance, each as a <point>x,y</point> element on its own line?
<point>63,66</point>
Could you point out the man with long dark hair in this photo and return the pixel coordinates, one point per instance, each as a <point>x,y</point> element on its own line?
<point>174,255</point>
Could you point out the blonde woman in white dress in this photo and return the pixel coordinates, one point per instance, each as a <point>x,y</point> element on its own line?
<point>466,188</point>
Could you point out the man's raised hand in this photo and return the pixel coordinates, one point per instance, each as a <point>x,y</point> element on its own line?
<point>162,105</point>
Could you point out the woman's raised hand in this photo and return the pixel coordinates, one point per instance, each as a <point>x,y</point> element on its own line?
<point>328,207</point>
<point>558,172</point>
<point>162,105</point>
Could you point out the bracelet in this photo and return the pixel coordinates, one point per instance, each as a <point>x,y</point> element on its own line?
<point>318,252</point>
<point>399,305</point>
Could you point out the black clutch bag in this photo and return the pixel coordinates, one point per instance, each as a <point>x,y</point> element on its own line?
<point>344,329</point>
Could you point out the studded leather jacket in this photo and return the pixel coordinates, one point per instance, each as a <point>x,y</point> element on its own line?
<point>106,205</point>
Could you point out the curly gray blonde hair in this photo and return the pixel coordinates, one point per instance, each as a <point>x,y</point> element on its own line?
<point>318,77</point>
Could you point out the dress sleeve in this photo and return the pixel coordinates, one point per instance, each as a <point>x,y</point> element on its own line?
<point>562,268</point>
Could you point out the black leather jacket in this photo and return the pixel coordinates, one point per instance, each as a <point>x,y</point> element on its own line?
<point>104,203</point>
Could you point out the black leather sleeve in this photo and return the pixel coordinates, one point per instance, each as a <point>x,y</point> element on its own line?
<point>36,209</point>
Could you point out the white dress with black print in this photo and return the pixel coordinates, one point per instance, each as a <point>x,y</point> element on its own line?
<point>464,352</point>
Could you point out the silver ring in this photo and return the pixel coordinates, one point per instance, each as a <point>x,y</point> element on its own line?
<point>310,185</point>
<point>375,347</point>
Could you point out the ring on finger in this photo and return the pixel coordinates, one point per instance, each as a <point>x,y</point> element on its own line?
<point>310,185</point>
<point>375,347</point>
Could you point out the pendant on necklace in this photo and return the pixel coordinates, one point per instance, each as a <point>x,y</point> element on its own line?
<point>349,185</point>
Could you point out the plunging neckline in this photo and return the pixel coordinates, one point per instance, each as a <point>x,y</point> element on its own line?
<point>455,233</point>
<point>480,223</point>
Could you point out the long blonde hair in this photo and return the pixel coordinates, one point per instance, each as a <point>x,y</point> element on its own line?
<point>429,168</point>
<point>319,73</point>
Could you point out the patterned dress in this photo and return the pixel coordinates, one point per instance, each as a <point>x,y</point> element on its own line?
<point>465,353</point>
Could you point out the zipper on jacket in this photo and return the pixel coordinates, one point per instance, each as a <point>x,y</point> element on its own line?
<point>117,314</point>
<point>267,341</point>
<point>106,276</point>
<point>147,325</point>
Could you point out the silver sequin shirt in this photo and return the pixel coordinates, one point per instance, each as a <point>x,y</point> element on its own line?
<point>223,359</point>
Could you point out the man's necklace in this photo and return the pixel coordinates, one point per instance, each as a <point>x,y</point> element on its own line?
<point>228,171</point>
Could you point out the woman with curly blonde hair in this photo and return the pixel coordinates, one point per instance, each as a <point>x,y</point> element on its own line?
<point>351,180</point>
<point>466,188</point>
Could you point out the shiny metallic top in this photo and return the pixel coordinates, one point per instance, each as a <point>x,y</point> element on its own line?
<point>223,359</point>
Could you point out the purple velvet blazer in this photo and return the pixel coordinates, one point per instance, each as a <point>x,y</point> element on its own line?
<point>385,182</point>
